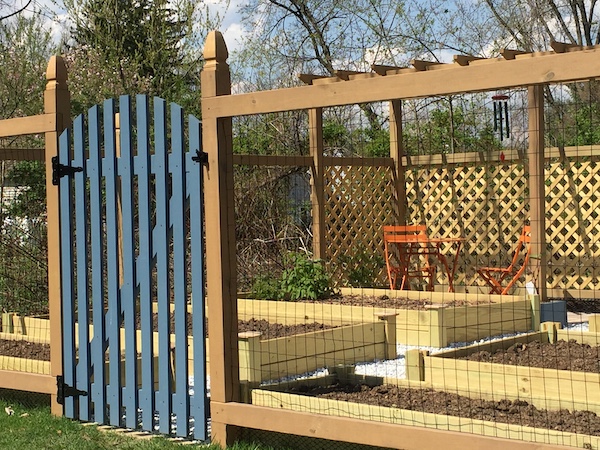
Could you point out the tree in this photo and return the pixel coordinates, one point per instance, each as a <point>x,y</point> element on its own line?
<point>147,46</point>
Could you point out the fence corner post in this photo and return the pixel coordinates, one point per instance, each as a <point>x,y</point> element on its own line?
<point>415,364</point>
<point>389,331</point>
<point>535,311</point>
<point>594,323</point>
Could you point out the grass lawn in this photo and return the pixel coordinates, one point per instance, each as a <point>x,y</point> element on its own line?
<point>34,428</point>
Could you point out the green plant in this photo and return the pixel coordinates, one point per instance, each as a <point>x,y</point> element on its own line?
<point>362,268</point>
<point>266,286</point>
<point>305,279</point>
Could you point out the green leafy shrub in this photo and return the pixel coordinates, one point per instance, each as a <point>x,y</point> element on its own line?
<point>266,286</point>
<point>305,279</point>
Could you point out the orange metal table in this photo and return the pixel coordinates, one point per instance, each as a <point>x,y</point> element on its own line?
<point>419,245</point>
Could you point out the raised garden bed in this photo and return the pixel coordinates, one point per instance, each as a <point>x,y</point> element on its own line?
<point>367,398</point>
<point>431,319</point>
<point>535,367</point>
<point>272,350</point>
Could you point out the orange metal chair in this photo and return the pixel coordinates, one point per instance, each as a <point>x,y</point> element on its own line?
<point>497,276</point>
<point>407,255</point>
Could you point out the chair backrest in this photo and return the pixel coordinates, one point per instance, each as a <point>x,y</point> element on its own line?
<point>390,232</point>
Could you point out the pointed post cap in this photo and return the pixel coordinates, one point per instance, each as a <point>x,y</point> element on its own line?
<point>57,69</point>
<point>215,48</point>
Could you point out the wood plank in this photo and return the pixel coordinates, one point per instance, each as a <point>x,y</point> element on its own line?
<point>319,342</point>
<point>359,430</point>
<point>42,123</point>
<point>18,365</point>
<point>272,160</point>
<point>529,70</point>
<point>29,382</point>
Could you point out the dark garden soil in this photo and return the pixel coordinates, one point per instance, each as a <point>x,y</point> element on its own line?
<point>516,412</point>
<point>267,330</point>
<point>383,301</point>
<point>25,349</point>
<point>41,352</point>
<point>562,355</point>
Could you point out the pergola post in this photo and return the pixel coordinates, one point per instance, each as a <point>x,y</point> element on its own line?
<point>537,210</point>
<point>57,101</point>
<point>220,239</point>
<point>317,194</point>
<point>397,153</point>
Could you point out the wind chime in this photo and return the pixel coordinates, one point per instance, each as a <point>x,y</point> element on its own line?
<point>501,115</point>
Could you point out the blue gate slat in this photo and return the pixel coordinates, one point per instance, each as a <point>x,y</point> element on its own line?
<point>161,244</point>
<point>144,262</point>
<point>194,170</point>
<point>181,404</point>
<point>82,266</point>
<point>114,393</point>
<point>67,276</point>
<point>94,171</point>
<point>128,294</point>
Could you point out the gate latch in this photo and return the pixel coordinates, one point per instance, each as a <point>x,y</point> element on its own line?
<point>64,390</point>
<point>60,170</point>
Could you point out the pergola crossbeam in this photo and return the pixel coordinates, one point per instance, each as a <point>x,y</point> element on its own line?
<point>464,60</point>
<point>383,70</point>
<point>308,78</point>
<point>508,53</point>
<point>421,65</point>
<point>562,47</point>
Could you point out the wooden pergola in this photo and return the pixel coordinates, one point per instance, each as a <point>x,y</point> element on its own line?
<point>467,74</point>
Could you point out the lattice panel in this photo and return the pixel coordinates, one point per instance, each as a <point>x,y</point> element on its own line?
<point>573,225</point>
<point>483,204</point>
<point>359,201</point>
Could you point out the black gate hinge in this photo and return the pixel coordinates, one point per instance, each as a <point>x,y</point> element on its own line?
<point>64,390</point>
<point>60,170</point>
<point>201,157</point>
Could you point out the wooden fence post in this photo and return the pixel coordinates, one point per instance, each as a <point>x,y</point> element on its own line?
<point>57,101</point>
<point>415,364</point>
<point>537,197</point>
<point>397,153</point>
<point>315,126</point>
<point>535,311</point>
<point>221,276</point>
<point>389,321</point>
<point>250,357</point>
<point>594,323</point>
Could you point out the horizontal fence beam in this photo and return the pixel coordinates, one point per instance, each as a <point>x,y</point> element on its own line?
<point>19,126</point>
<point>22,154</point>
<point>447,79</point>
<point>496,156</point>
<point>30,382</point>
<point>360,431</point>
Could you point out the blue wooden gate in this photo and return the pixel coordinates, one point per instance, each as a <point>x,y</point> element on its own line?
<point>132,268</point>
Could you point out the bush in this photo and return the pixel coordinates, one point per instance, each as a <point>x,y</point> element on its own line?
<point>302,279</point>
<point>305,279</point>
